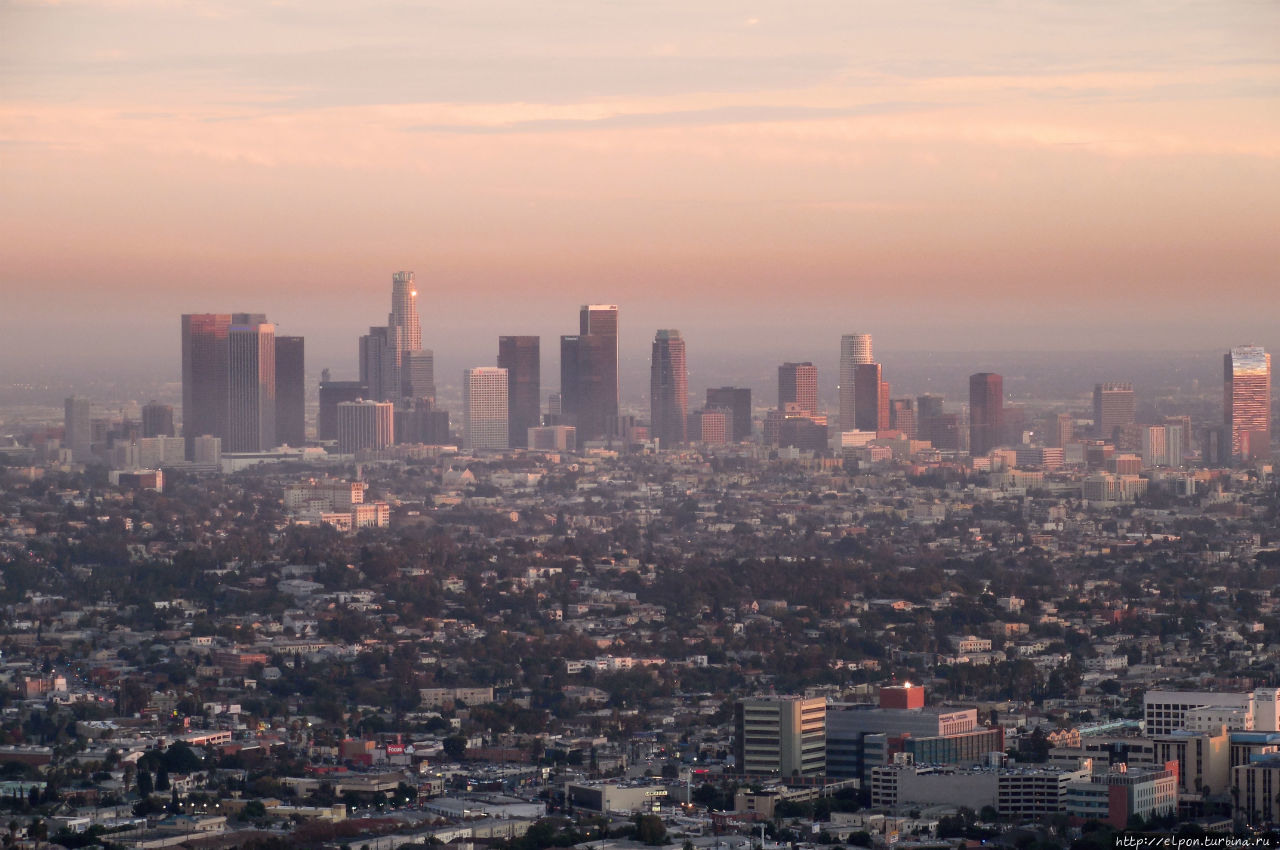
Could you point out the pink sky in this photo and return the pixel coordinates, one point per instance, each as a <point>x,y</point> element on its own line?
<point>1062,175</point>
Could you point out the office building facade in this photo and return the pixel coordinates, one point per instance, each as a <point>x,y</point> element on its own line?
<point>855,350</point>
<point>986,412</point>
<point>781,736</point>
<point>77,428</point>
<point>1247,401</point>
<point>204,376</point>
<point>871,407</point>
<point>291,391</point>
<point>521,357</point>
<point>157,420</point>
<point>798,385</point>
<point>1114,407</point>
<point>668,390</point>
<point>365,425</point>
<point>484,408</point>
<point>589,373</point>
<point>737,400</point>
<point>251,386</point>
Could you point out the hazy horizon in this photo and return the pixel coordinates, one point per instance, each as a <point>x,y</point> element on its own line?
<point>946,176</point>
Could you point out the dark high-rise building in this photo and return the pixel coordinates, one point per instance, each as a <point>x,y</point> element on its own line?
<point>157,420</point>
<point>333,393</point>
<point>589,373</point>
<point>871,398</point>
<point>798,384</point>
<point>379,370</point>
<point>668,390</point>
<point>423,423</point>
<point>1246,398</point>
<point>204,377</point>
<point>251,386</point>
<point>393,364</point>
<point>521,357</point>
<point>855,350</point>
<point>77,428</point>
<point>944,431</point>
<point>902,417</point>
<point>928,405</point>
<point>1114,407</point>
<point>291,392</point>
<point>738,400</point>
<point>986,412</point>
<point>418,374</point>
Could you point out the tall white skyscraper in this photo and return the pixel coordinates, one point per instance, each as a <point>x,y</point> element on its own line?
<point>855,350</point>
<point>251,384</point>
<point>484,408</point>
<point>403,319</point>
<point>392,363</point>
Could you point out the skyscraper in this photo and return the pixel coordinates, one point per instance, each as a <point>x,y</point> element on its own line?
<point>291,392</point>
<point>1114,407</point>
<point>388,365</point>
<point>365,425</point>
<point>780,736</point>
<point>738,400</point>
<point>668,390</point>
<point>1246,400</point>
<point>77,428</point>
<point>871,406</point>
<point>204,376</point>
<point>798,384</point>
<point>902,417</point>
<point>333,393</point>
<point>403,320</point>
<point>1062,430</point>
<point>251,385</point>
<point>521,357</point>
<point>378,366</point>
<point>418,375</point>
<point>484,408</point>
<point>589,373</point>
<point>855,350</point>
<point>157,420</point>
<point>986,412</point>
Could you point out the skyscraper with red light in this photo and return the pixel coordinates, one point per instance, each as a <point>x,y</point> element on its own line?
<point>986,412</point>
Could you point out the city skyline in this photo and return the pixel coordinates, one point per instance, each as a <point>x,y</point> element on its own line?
<point>911,173</point>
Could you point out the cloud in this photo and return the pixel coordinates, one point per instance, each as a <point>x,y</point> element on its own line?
<point>713,116</point>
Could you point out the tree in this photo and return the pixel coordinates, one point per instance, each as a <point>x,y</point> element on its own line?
<point>455,747</point>
<point>650,831</point>
<point>145,786</point>
<point>162,779</point>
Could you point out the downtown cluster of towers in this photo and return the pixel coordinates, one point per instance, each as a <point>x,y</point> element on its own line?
<point>245,386</point>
